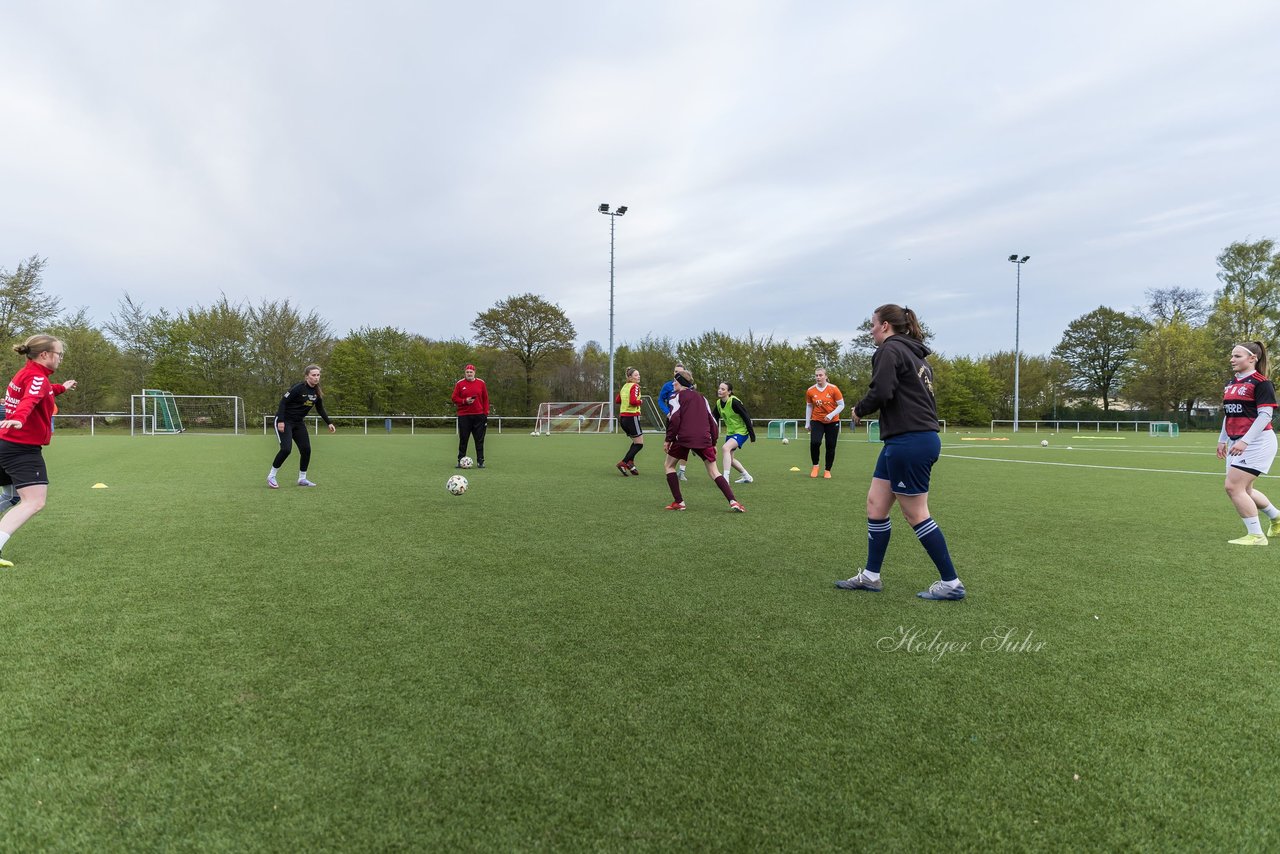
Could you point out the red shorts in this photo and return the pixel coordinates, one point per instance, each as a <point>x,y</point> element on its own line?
<point>680,452</point>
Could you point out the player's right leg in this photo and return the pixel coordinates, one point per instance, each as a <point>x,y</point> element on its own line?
<point>1239,486</point>
<point>285,438</point>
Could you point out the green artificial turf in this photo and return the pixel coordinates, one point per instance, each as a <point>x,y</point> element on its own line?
<point>194,662</point>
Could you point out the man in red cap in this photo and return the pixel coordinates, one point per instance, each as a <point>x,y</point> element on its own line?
<point>471,396</point>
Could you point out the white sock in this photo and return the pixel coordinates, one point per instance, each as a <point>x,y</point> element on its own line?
<point>746,473</point>
<point>302,475</point>
<point>4,538</point>
<point>868,574</point>
<point>952,584</point>
<point>1271,511</point>
<point>1253,526</point>
<point>272,473</point>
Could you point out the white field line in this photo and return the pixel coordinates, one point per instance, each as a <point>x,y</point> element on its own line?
<point>1093,449</point>
<point>1078,465</point>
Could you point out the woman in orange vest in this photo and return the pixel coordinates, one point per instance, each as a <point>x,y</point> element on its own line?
<point>822,405</point>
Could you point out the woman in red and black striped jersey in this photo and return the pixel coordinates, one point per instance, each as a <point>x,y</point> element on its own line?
<point>1247,442</point>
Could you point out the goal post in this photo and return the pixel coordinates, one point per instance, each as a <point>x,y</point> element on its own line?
<point>651,419</point>
<point>1168,429</point>
<point>164,411</point>
<point>158,412</point>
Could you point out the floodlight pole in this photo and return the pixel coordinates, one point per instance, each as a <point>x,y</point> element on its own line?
<point>613,219</point>
<point>1017,349</point>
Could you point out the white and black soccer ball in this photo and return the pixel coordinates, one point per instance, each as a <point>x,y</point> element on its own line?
<point>785,440</point>
<point>466,462</point>
<point>1044,443</point>
<point>456,485</point>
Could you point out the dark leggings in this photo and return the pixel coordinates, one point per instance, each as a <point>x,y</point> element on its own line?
<point>295,431</point>
<point>818,430</point>
<point>469,426</point>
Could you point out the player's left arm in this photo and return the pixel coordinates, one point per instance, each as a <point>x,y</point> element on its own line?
<point>1264,397</point>
<point>834,415</point>
<point>325,415</point>
<point>1256,429</point>
<point>739,408</point>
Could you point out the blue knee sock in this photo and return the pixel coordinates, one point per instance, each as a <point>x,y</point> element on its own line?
<point>930,536</point>
<point>878,531</point>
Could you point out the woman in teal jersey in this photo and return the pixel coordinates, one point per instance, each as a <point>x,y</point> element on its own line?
<point>737,428</point>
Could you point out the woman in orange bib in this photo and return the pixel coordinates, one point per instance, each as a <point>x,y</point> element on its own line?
<point>822,405</point>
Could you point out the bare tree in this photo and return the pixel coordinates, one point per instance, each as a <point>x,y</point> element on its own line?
<point>1169,305</point>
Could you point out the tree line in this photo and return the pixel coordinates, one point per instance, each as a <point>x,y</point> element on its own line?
<point>1166,357</point>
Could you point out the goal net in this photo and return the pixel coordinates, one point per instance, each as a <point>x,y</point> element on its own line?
<point>591,417</point>
<point>1163,428</point>
<point>161,412</point>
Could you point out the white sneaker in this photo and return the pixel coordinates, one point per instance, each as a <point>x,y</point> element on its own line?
<point>746,478</point>
<point>305,482</point>
<point>682,477</point>
<point>271,481</point>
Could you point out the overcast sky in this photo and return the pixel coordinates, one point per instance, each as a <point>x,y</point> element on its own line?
<point>788,165</point>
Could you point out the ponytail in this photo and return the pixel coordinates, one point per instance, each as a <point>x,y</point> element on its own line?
<point>35,345</point>
<point>1258,349</point>
<point>902,320</point>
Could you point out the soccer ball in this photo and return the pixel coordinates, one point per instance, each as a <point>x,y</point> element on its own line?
<point>466,462</point>
<point>534,433</point>
<point>456,485</point>
<point>1044,443</point>
<point>786,441</point>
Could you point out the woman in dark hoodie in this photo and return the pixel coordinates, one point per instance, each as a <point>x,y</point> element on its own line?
<point>902,391</point>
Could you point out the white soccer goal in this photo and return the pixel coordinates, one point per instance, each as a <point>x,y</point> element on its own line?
<point>592,417</point>
<point>572,417</point>
<point>1163,428</point>
<point>160,412</point>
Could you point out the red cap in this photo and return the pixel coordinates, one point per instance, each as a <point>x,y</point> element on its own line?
<point>470,367</point>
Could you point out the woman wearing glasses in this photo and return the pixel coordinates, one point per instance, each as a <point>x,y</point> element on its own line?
<point>27,427</point>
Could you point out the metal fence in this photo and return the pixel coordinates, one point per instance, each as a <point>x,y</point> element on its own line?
<point>1077,425</point>
<point>411,424</point>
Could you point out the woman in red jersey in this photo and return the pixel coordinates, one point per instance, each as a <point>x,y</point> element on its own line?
<point>1246,441</point>
<point>26,428</point>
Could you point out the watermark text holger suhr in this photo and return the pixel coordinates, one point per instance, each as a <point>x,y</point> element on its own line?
<point>1001,639</point>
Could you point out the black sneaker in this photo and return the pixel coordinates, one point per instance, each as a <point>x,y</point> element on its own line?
<point>479,465</point>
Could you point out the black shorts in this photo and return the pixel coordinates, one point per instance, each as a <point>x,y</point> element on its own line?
<point>23,465</point>
<point>630,425</point>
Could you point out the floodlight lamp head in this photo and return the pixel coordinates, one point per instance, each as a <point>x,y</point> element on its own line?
<point>604,208</point>
<point>1025,259</point>
<point>1013,257</point>
<point>622,209</point>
